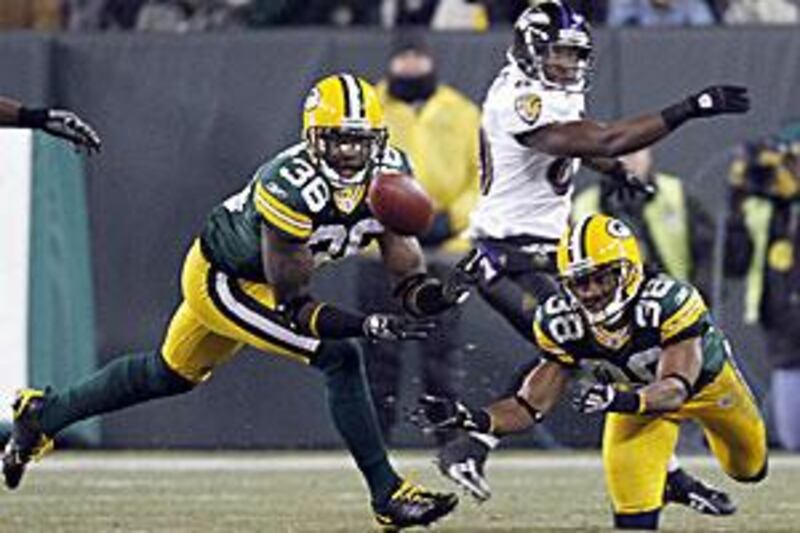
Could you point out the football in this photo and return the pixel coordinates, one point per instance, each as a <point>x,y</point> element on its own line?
<point>400,203</point>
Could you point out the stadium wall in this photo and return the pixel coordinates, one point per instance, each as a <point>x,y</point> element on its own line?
<point>187,118</point>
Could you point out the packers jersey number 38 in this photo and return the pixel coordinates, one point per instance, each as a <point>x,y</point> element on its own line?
<point>293,198</point>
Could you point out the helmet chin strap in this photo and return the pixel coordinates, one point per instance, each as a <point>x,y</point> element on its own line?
<point>580,86</point>
<point>336,180</point>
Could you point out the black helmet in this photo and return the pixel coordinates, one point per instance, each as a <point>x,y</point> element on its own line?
<point>548,27</point>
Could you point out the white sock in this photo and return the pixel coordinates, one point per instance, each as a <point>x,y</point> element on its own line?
<point>673,465</point>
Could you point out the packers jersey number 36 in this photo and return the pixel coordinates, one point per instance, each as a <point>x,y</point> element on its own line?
<point>291,196</point>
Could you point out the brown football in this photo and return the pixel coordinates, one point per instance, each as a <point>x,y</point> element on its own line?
<point>400,203</point>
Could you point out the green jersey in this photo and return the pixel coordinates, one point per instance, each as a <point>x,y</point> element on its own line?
<point>666,311</point>
<point>293,198</point>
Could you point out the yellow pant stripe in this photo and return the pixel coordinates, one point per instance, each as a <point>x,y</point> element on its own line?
<point>687,315</point>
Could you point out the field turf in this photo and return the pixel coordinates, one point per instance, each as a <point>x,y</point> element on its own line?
<point>321,492</point>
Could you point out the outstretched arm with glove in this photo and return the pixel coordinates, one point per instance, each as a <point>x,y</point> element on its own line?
<point>57,122</point>
<point>589,139</point>
<point>463,459</point>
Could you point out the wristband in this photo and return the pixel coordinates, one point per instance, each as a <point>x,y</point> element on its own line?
<point>683,381</point>
<point>32,118</point>
<point>626,402</point>
<point>330,322</point>
<point>422,295</point>
<point>533,412</point>
<point>675,115</point>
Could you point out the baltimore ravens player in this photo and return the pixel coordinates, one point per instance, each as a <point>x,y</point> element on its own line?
<point>246,281</point>
<point>534,138</point>
<point>57,122</point>
<point>662,360</point>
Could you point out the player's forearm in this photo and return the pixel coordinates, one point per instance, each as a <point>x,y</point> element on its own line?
<point>603,165</point>
<point>663,396</point>
<point>402,256</point>
<point>589,139</point>
<point>540,391</point>
<point>509,416</point>
<point>9,112</point>
<point>626,136</point>
<point>288,268</point>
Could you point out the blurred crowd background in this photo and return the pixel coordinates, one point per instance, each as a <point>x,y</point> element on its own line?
<point>476,15</point>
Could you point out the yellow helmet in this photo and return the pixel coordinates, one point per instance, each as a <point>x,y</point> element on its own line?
<point>344,128</point>
<point>600,266</point>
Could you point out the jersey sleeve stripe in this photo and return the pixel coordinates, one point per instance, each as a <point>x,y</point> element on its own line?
<point>279,218</point>
<point>299,218</point>
<point>546,343</point>
<point>279,221</point>
<point>689,313</point>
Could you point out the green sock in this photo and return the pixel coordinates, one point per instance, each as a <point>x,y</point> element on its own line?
<point>354,416</point>
<point>126,381</point>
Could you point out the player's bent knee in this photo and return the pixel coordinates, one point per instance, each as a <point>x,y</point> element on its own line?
<point>761,475</point>
<point>646,520</point>
<point>167,379</point>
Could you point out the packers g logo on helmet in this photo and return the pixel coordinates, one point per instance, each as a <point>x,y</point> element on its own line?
<point>344,128</point>
<point>600,266</point>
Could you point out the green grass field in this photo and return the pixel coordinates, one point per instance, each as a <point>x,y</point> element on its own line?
<point>291,492</point>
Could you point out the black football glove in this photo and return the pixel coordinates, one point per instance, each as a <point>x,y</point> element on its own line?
<point>712,101</point>
<point>438,413</point>
<point>462,460</point>
<point>627,187</point>
<point>476,266</point>
<point>719,100</point>
<point>604,397</point>
<point>388,327</point>
<point>63,124</point>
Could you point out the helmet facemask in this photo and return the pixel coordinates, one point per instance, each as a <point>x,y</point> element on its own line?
<point>565,67</point>
<point>346,156</point>
<point>603,292</point>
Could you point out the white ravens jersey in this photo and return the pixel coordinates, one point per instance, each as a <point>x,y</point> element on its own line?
<point>524,192</point>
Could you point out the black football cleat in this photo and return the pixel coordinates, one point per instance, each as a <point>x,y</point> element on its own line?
<point>683,489</point>
<point>27,439</point>
<point>412,505</point>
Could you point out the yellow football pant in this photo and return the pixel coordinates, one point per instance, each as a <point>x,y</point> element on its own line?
<point>219,315</point>
<point>637,448</point>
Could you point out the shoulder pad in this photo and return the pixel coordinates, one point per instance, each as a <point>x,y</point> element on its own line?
<point>397,160</point>
<point>278,195</point>
<point>555,325</point>
<point>674,307</point>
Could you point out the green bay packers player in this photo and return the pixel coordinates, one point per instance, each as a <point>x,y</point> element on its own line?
<point>650,355</point>
<point>246,281</point>
<point>57,122</point>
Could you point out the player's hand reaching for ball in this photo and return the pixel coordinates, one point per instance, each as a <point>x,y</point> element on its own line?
<point>387,327</point>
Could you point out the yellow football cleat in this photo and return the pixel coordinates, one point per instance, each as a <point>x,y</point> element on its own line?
<point>27,439</point>
<point>413,505</point>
